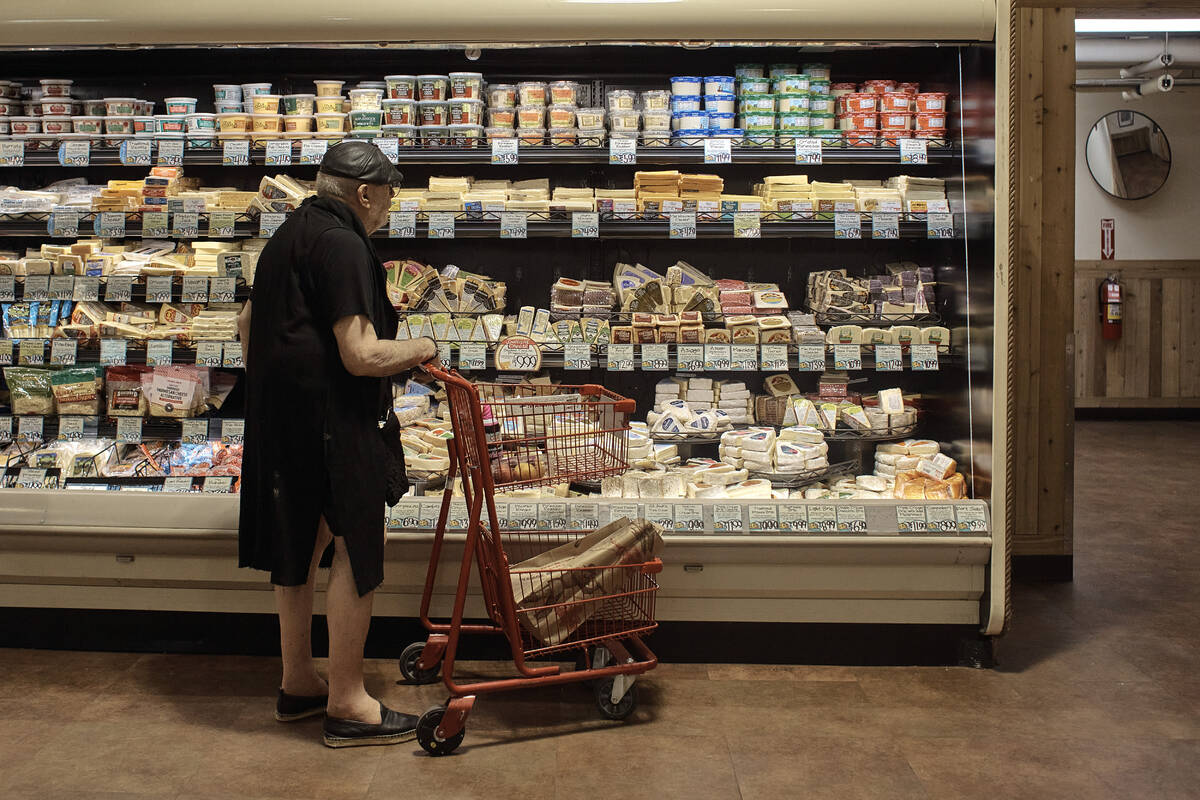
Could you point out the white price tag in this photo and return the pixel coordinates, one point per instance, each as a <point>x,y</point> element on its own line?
<point>585,225</point>
<point>31,352</point>
<point>847,225</point>
<point>233,431</point>
<point>774,358</point>
<point>29,429</point>
<point>222,224</point>
<point>64,225</point>
<point>129,430</point>
<point>808,151</point>
<point>662,515</point>
<point>75,153</point>
<point>8,288</point>
<point>312,151</point>
<point>112,352</point>
<point>822,519</point>
<point>851,519</point>
<point>185,225</point>
<point>154,225</point>
<point>689,357</point>
<point>70,429</point>
<point>584,516</point>
<point>514,225</point>
<point>458,518</point>
<point>195,289</point>
<point>12,153</point>
<point>472,355</point>
<point>683,225</point>
<point>279,153</point>
<point>523,516</point>
<point>885,225</point>
<point>577,355</point>
<point>37,287</point>
<point>232,357</point>
<point>135,153</point>
<point>405,515</point>
<point>913,151</point>
<point>762,517</point>
<point>6,352</point>
<point>63,352</point>
<point>389,146</point>
<point>158,288</point>
<point>924,357</point>
<point>811,358</point>
<point>939,225</point>
<point>118,289</point>
<point>504,151</point>
<point>620,358</point>
<point>441,225</point>
<point>195,431</point>
<point>215,484</point>
<point>793,518</point>
<point>158,352</point>
<point>31,478</point>
<point>87,287</point>
<point>622,151</point>
<point>727,518</point>
<point>62,287</point>
<point>888,358</point>
<point>618,510</point>
<point>940,519</point>
<point>624,206</point>
<point>170,152</point>
<point>654,357</point>
<point>209,354</point>
<point>109,224</point>
<point>747,225</point>
<point>910,519</point>
<point>222,290</point>
<point>235,153</point>
<point>743,357</point>
<point>444,353</point>
<point>552,516</point>
<point>402,225</point>
<point>177,484</point>
<point>689,518</point>
<point>971,518</point>
<point>269,222</point>
<point>847,356</point>
<point>717,357</point>
<point>6,428</point>
<point>717,151</point>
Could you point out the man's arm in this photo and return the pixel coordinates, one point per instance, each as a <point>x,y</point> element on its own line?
<point>366,355</point>
<point>244,331</point>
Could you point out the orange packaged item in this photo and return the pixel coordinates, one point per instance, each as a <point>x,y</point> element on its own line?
<point>931,121</point>
<point>931,101</point>
<point>895,101</point>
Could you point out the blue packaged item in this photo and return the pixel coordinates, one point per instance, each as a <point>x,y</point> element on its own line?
<point>690,136</point>
<point>720,121</point>
<point>718,84</point>
<point>686,102</point>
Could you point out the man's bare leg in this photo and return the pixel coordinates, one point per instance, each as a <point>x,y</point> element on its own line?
<point>349,619</point>
<point>295,606</point>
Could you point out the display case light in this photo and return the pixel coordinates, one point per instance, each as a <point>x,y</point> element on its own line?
<point>1140,25</point>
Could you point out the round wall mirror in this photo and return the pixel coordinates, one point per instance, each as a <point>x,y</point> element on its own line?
<point>1128,155</point>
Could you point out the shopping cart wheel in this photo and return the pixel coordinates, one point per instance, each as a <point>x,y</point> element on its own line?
<point>607,707</point>
<point>409,669</point>
<point>427,727</point>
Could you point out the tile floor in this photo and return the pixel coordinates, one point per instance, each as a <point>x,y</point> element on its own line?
<point>1096,697</point>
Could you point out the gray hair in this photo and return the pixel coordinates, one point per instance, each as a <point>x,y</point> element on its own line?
<point>339,188</point>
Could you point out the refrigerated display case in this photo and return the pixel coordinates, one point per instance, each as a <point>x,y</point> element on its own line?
<point>165,539</point>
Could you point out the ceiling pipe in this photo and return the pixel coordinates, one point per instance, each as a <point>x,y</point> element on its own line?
<point>1160,84</point>
<point>1156,64</point>
<point>1114,52</point>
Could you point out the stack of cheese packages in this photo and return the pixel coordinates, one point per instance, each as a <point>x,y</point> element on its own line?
<point>862,487</point>
<point>669,190</point>
<point>904,289</point>
<point>875,196</point>
<point>566,199</point>
<point>451,306</point>
<point>280,194</point>
<point>917,192</point>
<point>124,196</point>
<point>916,469</point>
<point>890,413</point>
<point>793,449</point>
<point>779,192</point>
<point>698,406</point>
<point>425,444</point>
<point>575,299</point>
<point>657,473</point>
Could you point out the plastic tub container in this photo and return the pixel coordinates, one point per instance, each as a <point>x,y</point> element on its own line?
<point>465,135</point>
<point>329,88</point>
<point>145,124</point>
<point>33,141</point>
<point>930,121</point>
<point>499,132</point>
<point>931,101</point>
<point>687,85</point>
<point>591,118</point>
<point>56,87</point>
<point>908,86</point>
<point>407,134</point>
<point>55,107</point>
<point>859,102</point>
<point>721,103</point>
<point>202,140</point>
<point>264,104</point>
<point>4,126</point>
<point>760,139</point>
<point>658,120</point>
<point>182,106</point>
<point>330,123</point>
<point>502,117</point>
<point>401,87</point>
<point>895,121</point>
<point>742,71</point>
<point>687,120</point>
<point>794,121</point>
<point>329,104</point>
<point>792,103</point>
<point>756,102</point>
<point>624,120</point>
<point>88,124</point>
<point>531,137</point>
<point>719,84</point>
<point>121,125</point>
<point>400,112</point>
<point>734,135</point>
<point>251,89</point>
<point>10,107</point>
<point>691,137</point>
<point>819,87</point>
<point>199,122</point>
<point>30,108</point>
<point>228,108</point>
<point>57,125</point>
<point>266,123</point>
<point>656,100</point>
<point>297,123</point>
<point>502,95</point>
<point>720,120</point>
<point>651,138</point>
<point>92,108</point>
<point>879,86</point>
<point>531,93</point>
<point>687,102</point>
<point>858,122</point>
<point>531,116</point>
<point>380,85</point>
<point>366,100</point>
<point>592,137</point>
<point>823,103</point>
<point>560,116</point>
<point>777,71</point>
<point>563,93</point>
<point>433,87</point>
<point>435,135</point>
<point>621,100</point>
<point>464,111</point>
<point>895,102</point>
<point>12,90</point>
<point>302,104</point>
<point>564,137</point>
<point>230,92</point>
<point>757,121</point>
<point>839,89</point>
<point>817,70</point>
<point>233,123</point>
<point>366,120</point>
<point>792,84</point>
<point>434,112</point>
<point>754,86</point>
<point>822,121</point>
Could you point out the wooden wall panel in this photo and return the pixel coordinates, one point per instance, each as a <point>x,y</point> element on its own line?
<point>1156,362</point>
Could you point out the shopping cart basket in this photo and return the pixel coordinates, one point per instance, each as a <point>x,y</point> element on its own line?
<point>514,436</point>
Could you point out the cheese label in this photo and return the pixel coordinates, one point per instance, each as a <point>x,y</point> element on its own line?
<point>472,355</point>
<point>940,519</point>
<point>689,518</point>
<point>279,153</point>
<point>31,352</point>
<point>389,146</point>
<point>37,287</point>
<point>209,354</point>
<point>622,151</point>
<point>628,510</point>
<point>64,225</point>
<point>847,356</point>
<point>154,225</point>
<point>158,288</point>
<point>847,225</point>
<point>747,225</point>
<point>12,154</point>
<point>185,225</point>
<point>29,429</point>
<point>75,154</point>
<point>971,518</point>
<point>939,225</point>
<point>584,516</point>
<point>6,426</point>
<point>911,519</point>
<point>577,355</point>
<point>811,357</point>
<point>504,151</point>
<point>662,515</point>
<point>458,519</point>
<point>888,358</point>
<point>913,151</point>
<point>885,225</point>
<point>119,288</point>
<point>689,357</point>
<point>620,358</point>
<point>112,352</point>
<point>63,352</point>
<point>231,357</point>
<point>682,225</point>
<point>518,354</point>
<point>793,518</point>
<point>109,224</point>
<point>822,519</point>
<point>717,357</point>
<point>743,357</point>
<point>158,352</point>
<point>774,358</point>
<point>8,288</point>
<point>195,431</point>
<point>177,483</point>
<point>405,515</point>
<point>924,357</point>
<point>217,484</point>
<point>129,430</point>
<point>428,513</point>
<point>585,224</point>
<point>727,518</point>
<point>514,225</point>
<point>402,225</point>
<point>269,222</point>
<point>654,357</point>
<point>29,478</point>
<point>808,151</point>
<point>717,151</point>
<point>170,152</point>
<point>441,225</point>
<point>235,153</point>
<point>195,289</point>
<point>763,517</point>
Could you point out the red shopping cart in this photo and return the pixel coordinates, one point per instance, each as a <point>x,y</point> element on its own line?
<point>521,436</point>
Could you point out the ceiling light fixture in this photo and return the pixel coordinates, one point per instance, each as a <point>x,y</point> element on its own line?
<point>1140,25</point>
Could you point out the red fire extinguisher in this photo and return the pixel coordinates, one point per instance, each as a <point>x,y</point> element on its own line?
<point>1111,294</point>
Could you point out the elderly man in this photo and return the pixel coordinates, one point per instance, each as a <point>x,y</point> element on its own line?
<point>319,338</point>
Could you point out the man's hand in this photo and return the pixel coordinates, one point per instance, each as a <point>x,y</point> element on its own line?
<point>364,354</point>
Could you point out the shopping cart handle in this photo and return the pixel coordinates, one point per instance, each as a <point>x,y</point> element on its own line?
<point>652,567</point>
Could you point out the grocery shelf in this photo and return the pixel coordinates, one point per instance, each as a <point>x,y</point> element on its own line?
<point>63,287</point>
<point>102,427</point>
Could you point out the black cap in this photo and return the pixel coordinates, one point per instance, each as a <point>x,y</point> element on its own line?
<point>361,161</point>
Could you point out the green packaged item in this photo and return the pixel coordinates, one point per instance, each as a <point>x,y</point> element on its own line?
<point>781,70</point>
<point>757,121</point>
<point>818,87</point>
<point>792,84</point>
<point>793,122</point>
<point>818,71</point>
<point>29,390</point>
<point>78,390</point>
<point>759,85</point>
<point>821,103</point>
<point>749,71</point>
<point>789,103</point>
<point>819,121</point>
<point>756,102</point>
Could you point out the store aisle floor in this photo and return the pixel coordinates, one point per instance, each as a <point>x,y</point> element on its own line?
<point>1097,696</point>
